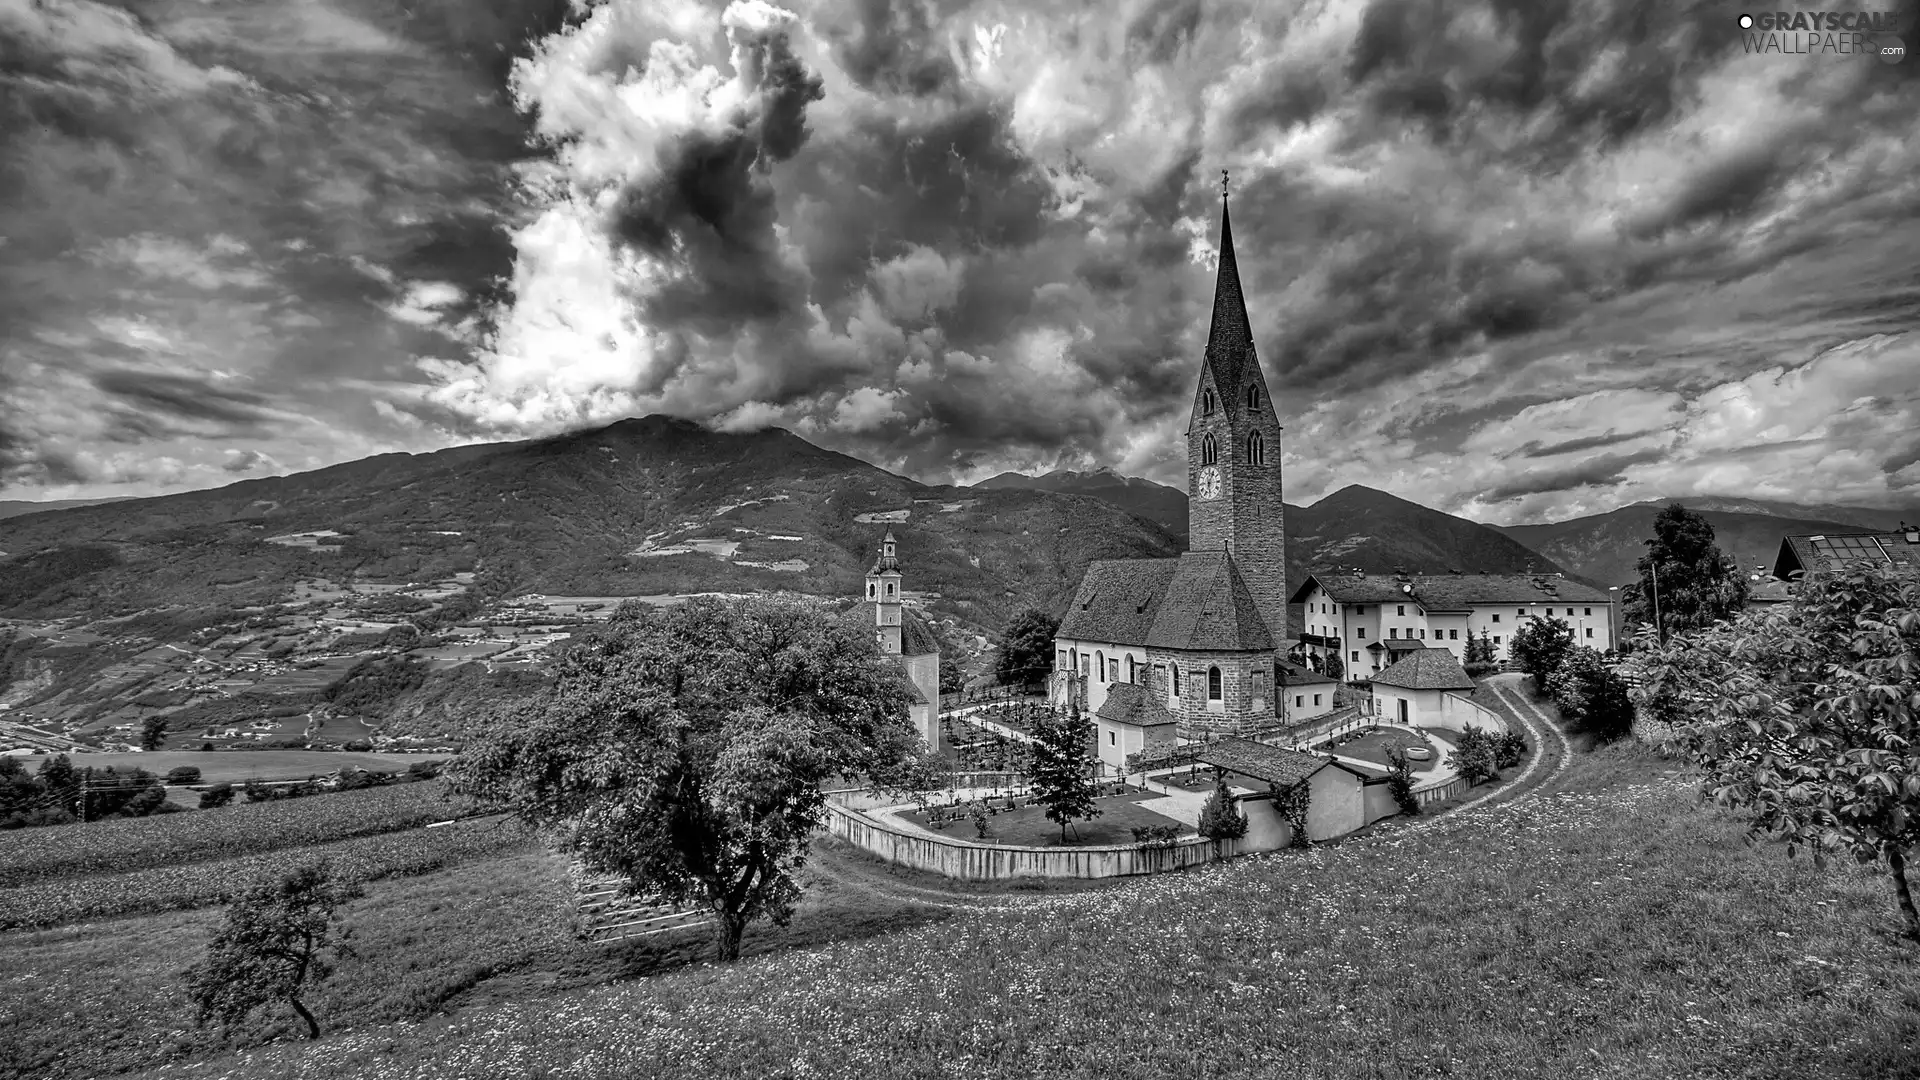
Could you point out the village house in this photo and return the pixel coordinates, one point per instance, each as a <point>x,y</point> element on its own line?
<point>1373,621</point>
<point>1305,693</point>
<point>1831,551</point>
<point>1413,691</point>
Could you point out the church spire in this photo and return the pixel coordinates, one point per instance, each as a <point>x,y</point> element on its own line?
<point>1230,338</point>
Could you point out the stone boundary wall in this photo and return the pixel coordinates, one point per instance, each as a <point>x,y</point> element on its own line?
<point>997,862</point>
<point>1457,712</point>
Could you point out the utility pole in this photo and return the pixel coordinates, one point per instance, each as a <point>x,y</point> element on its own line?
<point>1653,567</point>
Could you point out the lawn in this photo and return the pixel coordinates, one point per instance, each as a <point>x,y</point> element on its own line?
<point>1612,927</point>
<point>1029,826</point>
<point>1373,745</point>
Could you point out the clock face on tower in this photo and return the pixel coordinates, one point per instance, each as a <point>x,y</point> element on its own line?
<point>1209,483</point>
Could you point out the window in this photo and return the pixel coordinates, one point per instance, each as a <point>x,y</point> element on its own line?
<point>1130,674</point>
<point>1360,632</point>
<point>1206,403</point>
<point>889,588</point>
<point>1209,453</point>
<point>1588,610</point>
<point>1060,660</point>
<point>1253,397</point>
<point>1112,737</point>
<point>1256,449</point>
<point>1100,666</point>
<point>1496,616</point>
<point>1359,609</point>
<point>1423,633</point>
<point>1496,639</point>
<point>1589,631</point>
<point>1522,613</point>
<point>1113,670</point>
<point>1356,657</point>
<point>869,590</point>
<point>1299,701</point>
<point>1453,635</point>
<point>1213,684</point>
<point>1400,609</point>
<point>1176,680</point>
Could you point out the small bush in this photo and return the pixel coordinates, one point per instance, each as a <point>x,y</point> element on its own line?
<point>217,796</point>
<point>185,774</point>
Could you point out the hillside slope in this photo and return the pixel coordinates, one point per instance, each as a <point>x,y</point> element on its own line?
<point>1606,547</point>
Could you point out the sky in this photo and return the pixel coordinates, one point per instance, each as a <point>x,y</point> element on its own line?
<point>1518,260</point>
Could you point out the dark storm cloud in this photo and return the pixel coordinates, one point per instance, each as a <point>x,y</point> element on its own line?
<point>891,46</point>
<point>1605,470</point>
<point>1593,442</point>
<point>956,182</point>
<point>709,212</point>
<point>165,398</point>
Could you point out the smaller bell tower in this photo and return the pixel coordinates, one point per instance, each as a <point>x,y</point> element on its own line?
<point>883,592</point>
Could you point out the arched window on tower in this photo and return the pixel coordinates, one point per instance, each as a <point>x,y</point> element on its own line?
<point>1209,452</point>
<point>1206,403</point>
<point>1130,675</point>
<point>1176,681</point>
<point>1213,684</point>
<point>1256,449</point>
<point>1100,666</point>
<point>1253,397</point>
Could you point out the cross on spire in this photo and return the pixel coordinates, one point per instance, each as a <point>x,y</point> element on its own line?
<point>1223,183</point>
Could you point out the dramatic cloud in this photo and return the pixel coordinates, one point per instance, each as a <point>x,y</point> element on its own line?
<point>1515,258</point>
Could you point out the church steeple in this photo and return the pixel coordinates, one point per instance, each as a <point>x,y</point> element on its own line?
<point>1233,448</point>
<point>884,592</point>
<point>1230,337</point>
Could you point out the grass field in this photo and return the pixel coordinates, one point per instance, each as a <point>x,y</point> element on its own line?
<point>1611,927</point>
<point>1029,826</point>
<point>234,766</point>
<point>1373,747</point>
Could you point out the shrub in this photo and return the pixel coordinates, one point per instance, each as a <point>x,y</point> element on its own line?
<point>185,774</point>
<point>1220,818</point>
<point>1400,781</point>
<point>1474,757</point>
<point>1508,748</point>
<point>1155,835</point>
<point>216,796</point>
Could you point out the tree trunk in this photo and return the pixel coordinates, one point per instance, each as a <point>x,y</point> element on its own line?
<point>313,1026</point>
<point>727,945</point>
<point>1898,860</point>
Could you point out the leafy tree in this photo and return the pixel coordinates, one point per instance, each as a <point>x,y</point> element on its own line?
<point>216,796</point>
<point>61,782</point>
<point>1400,781</point>
<point>1591,695</point>
<point>1807,714</point>
<point>1220,818</point>
<point>1061,767</point>
<point>1474,756</point>
<point>1508,748</point>
<point>685,748</point>
<point>1479,655</point>
<point>1333,668</point>
<point>1538,647</point>
<point>153,733</point>
<point>185,774</point>
<point>1685,575</point>
<point>272,945</point>
<point>1026,647</point>
<point>952,679</point>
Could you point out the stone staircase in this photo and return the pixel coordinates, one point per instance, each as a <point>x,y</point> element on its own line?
<point>607,916</point>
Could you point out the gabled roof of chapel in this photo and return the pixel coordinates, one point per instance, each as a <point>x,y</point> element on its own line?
<point>1117,601</point>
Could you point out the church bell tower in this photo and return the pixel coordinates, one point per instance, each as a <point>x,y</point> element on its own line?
<point>1233,448</point>
<point>883,592</point>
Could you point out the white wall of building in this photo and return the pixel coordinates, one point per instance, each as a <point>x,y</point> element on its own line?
<point>1083,656</point>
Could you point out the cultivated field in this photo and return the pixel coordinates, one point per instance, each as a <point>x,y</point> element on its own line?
<point>234,766</point>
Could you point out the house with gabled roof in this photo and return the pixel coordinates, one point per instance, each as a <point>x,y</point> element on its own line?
<point>1413,690</point>
<point>1201,632</point>
<point>1374,621</point>
<point>1336,800</point>
<point>1831,551</point>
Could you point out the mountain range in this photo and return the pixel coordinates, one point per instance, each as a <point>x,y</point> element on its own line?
<point>656,505</point>
<point>1605,547</point>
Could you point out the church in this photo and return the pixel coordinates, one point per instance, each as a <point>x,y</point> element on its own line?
<point>905,638</point>
<point>1193,644</point>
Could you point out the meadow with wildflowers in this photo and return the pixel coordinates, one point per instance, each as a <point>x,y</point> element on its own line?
<point>1610,926</point>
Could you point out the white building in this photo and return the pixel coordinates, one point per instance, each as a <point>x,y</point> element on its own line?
<point>1372,621</point>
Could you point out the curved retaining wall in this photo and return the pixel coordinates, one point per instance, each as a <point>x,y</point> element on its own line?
<point>1457,712</point>
<point>994,862</point>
